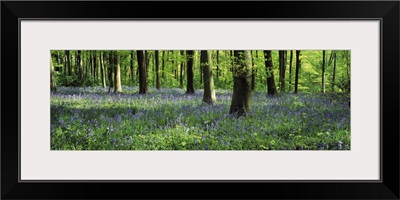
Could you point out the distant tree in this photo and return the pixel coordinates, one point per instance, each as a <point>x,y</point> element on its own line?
<point>103,71</point>
<point>132,70</point>
<point>189,72</point>
<point>182,66</point>
<point>206,64</point>
<point>53,85</point>
<point>282,70</point>
<point>157,57</point>
<point>117,73</point>
<point>290,69</point>
<point>270,73</point>
<point>142,72</point>
<point>68,62</point>
<point>110,71</point>
<point>334,72</point>
<point>241,83</point>
<point>253,72</point>
<point>296,80</point>
<point>218,74</point>
<point>323,72</point>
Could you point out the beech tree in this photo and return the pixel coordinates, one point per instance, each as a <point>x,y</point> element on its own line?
<point>296,80</point>
<point>270,73</point>
<point>53,86</point>
<point>206,64</point>
<point>142,72</point>
<point>241,83</point>
<point>117,73</point>
<point>189,72</point>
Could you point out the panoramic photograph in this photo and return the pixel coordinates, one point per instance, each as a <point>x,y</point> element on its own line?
<point>200,100</point>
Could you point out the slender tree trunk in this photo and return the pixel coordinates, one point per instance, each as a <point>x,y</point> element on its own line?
<point>117,73</point>
<point>201,71</point>
<point>147,61</point>
<point>218,64</point>
<point>296,79</point>
<point>270,73</point>
<point>290,69</point>
<point>323,72</point>
<point>163,64</point>
<point>209,92</point>
<point>253,73</point>
<point>103,72</point>
<point>68,61</point>
<point>142,71</point>
<point>240,105</point>
<point>132,67</point>
<point>282,70</point>
<point>111,71</point>
<point>53,85</point>
<point>77,62</point>
<point>334,72</point>
<point>158,84</point>
<point>181,69</point>
<point>189,73</point>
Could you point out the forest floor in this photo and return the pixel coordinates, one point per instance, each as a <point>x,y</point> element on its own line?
<point>89,118</point>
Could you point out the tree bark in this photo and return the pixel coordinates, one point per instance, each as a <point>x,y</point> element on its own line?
<point>132,68</point>
<point>323,72</point>
<point>189,72</point>
<point>334,72</point>
<point>282,70</point>
<point>110,71</point>
<point>158,83</point>
<point>218,64</point>
<point>67,55</point>
<point>241,84</point>
<point>296,80</point>
<point>142,72</point>
<point>253,73</point>
<point>117,73</point>
<point>270,73</point>
<point>103,72</point>
<point>206,63</point>
<point>53,85</point>
<point>182,66</point>
<point>290,69</point>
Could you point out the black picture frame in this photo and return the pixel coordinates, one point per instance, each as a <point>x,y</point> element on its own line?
<point>386,11</point>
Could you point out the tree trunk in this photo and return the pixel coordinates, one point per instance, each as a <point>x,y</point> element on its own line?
<point>94,65</point>
<point>296,79</point>
<point>270,73</point>
<point>53,85</point>
<point>290,69</point>
<point>253,73</point>
<point>163,64</point>
<point>282,70</point>
<point>181,69</point>
<point>103,72</point>
<point>158,84</point>
<point>241,84</point>
<point>67,55</point>
<point>334,72</point>
<point>110,71</point>
<point>189,72</point>
<point>142,71</point>
<point>218,64</point>
<point>323,72</point>
<point>132,68</point>
<point>147,60</point>
<point>209,92</point>
<point>201,71</point>
<point>117,73</point>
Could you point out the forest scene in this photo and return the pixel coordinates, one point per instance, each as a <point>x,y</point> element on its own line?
<point>200,99</point>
